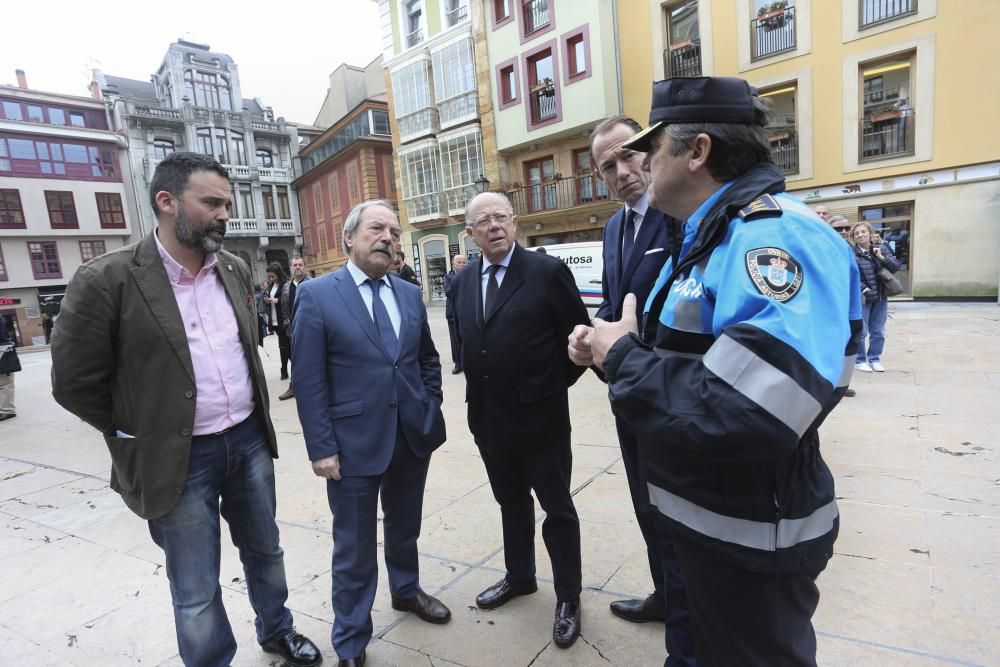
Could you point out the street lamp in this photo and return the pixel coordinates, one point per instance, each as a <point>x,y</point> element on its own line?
<point>482,184</point>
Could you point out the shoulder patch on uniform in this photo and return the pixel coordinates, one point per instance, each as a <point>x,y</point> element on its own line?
<point>764,206</point>
<point>775,273</point>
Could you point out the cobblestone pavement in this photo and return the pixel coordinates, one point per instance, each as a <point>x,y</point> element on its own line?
<point>915,578</point>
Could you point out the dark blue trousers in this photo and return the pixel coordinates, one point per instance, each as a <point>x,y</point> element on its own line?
<point>668,586</point>
<point>354,503</point>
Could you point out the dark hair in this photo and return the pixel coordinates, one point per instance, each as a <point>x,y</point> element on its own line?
<point>276,269</point>
<point>173,172</point>
<point>401,254</point>
<point>736,147</point>
<point>609,124</point>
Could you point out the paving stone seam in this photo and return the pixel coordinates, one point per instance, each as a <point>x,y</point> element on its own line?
<point>899,649</point>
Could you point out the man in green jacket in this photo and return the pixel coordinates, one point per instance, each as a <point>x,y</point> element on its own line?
<point>156,349</point>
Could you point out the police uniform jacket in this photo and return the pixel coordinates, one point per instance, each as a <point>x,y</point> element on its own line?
<point>747,344</point>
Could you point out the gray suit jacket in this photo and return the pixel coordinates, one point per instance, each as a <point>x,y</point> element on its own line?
<point>120,361</point>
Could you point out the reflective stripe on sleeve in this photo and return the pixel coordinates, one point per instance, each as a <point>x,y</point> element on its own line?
<point>761,535</point>
<point>762,383</point>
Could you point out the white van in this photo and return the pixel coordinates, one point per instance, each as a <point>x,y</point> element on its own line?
<point>586,260</point>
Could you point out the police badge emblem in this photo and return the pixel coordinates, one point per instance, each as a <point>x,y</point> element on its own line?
<point>774,273</point>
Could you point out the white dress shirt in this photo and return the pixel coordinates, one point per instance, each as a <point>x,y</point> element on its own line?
<point>640,209</point>
<point>484,277</point>
<point>385,292</point>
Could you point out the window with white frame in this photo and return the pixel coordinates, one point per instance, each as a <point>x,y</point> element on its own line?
<point>455,82</point>
<point>461,165</point>
<point>413,11</point>
<point>455,11</point>
<point>411,87</point>
<point>419,170</point>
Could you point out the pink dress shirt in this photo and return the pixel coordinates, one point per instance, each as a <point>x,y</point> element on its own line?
<point>222,376</point>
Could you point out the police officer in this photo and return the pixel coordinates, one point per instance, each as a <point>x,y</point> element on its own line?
<point>747,344</point>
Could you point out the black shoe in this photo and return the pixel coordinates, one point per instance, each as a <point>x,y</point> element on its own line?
<point>640,611</point>
<point>4,416</point>
<point>849,393</point>
<point>567,626</point>
<point>502,592</point>
<point>289,393</point>
<point>354,662</point>
<point>456,370</point>
<point>296,649</point>
<point>284,375</point>
<point>428,608</point>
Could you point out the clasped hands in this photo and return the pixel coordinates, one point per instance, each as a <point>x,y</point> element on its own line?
<point>588,346</point>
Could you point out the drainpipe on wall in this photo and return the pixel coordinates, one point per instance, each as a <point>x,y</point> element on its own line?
<point>618,55</point>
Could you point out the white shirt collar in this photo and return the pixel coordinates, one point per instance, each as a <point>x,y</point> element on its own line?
<point>640,207</point>
<point>505,262</point>
<point>360,276</point>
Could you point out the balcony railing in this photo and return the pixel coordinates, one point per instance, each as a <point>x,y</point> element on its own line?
<point>872,12</point>
<point>543,103</point>
<point>418,124</point>
<point>160,113</point>
<point>887,134</point>
<point>261,125</point>
<point>557,194</point>
<point>241,226</point>
<point>772,32</point>
<point>414,38</point>
<point>279,226</point>
<point>536,15</point>
<point>457,15</point>
<point>238,170</point>
<point>273,173</point>
<point>682,59</point>
<point>423,206</point>
<point>785,150</point>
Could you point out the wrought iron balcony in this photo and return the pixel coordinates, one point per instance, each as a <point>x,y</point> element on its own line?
<point>558,193</point>
<point>873,12</point>
<point>772,32</point>
<point>784,150</point>
<point>887,134</point>
<point>682,59</point>
<point>536,15</point>
<point>414,38</point>
<point>457,15</point>
<point>543,103</point>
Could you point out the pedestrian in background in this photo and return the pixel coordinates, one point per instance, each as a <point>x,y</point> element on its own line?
<point>842,226</point>
<point>276,315</point>
<point>288,291</point>
<point>458,263</point>
<point>9,364</point>
<point>47,324</point>
<point>872,257</point>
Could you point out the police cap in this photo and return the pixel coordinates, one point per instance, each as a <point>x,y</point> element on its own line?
<point>700,99</point>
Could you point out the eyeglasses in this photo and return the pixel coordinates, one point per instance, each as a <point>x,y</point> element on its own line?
<point>841,230</point>
<point>501,219</point>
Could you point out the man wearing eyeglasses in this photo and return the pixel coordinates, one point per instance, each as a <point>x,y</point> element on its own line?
<point>514,311</point>
<point>842,226</point>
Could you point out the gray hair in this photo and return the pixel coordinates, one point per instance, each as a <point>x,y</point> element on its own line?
<point>736,147</point>
<point>354,218</point>
<point>836,218</point>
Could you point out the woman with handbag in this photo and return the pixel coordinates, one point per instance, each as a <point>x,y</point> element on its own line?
<point>877,266</point>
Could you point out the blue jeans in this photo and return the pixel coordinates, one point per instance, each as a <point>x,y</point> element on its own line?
<point>874,316</point>
<point>235,466</point>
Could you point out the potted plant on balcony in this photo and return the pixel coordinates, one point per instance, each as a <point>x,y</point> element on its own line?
<point>544,88</point>
<point>772,16</point>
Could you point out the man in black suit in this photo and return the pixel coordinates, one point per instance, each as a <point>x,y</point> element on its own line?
<point>515,309</point>
<point>638,240</point>
<point>458,263</point>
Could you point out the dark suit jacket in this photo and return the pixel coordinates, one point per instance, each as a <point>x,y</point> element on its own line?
<point>120,361</point>
<point>287,298</point>
<point>351,393</point>
<point>517,371</point>
<point>449,304</point>
<point>659,238</point>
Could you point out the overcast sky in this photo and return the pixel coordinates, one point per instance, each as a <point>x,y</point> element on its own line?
<point>285,50</point>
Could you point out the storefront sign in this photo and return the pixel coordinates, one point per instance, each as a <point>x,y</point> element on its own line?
<point>9,302</point>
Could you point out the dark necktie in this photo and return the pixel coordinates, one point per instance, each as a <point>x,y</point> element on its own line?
<point>492,287</point>
<point>629,238</point>
<point>381,316</point>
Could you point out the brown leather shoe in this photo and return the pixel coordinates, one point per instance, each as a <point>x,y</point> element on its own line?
<point>289,393</point>
<point>426,607</point>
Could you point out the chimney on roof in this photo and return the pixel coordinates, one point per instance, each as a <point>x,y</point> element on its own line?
<point>22,80</point>
<point>95,91</point>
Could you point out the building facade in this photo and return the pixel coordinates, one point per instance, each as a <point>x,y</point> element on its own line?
<point>350,162</point>
<point>193,102</point>
<point>439,133</point>
<point>63,199</point>
<point>553,67</point>
<point>882,111</point>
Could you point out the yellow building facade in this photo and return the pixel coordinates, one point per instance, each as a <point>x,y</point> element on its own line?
<point>883,111</point>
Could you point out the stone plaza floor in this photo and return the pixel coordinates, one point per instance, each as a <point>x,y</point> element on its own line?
<point>915,579</point>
